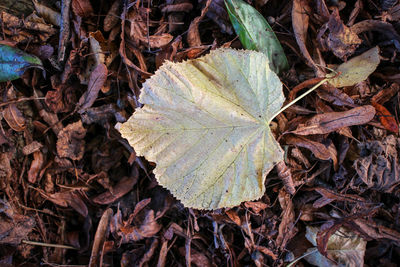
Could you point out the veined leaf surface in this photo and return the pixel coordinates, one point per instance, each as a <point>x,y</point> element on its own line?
<point>14,62</point>
<point>205,123</point>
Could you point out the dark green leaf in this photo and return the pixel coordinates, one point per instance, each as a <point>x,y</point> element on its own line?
<point>14,62</point>
<point>255,33</point>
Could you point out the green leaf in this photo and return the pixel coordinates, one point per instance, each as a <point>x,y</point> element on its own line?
<point>356,69</point>
<point>346,248</point>
<point>205,123</point>
<point>256,34</point>
<point>14,62</point>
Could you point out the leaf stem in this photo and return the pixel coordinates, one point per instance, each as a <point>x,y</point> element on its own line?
<point>297,99</point>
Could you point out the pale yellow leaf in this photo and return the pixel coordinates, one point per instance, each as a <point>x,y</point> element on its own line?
<point>356,69</point>
<point>205,124</point>
<point>346,248</point>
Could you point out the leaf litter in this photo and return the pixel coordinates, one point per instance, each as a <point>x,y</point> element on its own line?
<point>68,179</point>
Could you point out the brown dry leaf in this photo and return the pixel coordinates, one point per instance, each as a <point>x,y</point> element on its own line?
<point>13,226</point>
<point>287,229</point>
<point>36,166</point>
<point>67,199</point>
<point>71,143</point>
<point>48,14</point>
<point>285,175</point>
<point>340,247</point>
<point>100,237</point>
<point>193,35</point>
<point>19,30</point>
<point>217,12</point>
<point>31,148</point>
<point>62,98</point>
<point>384,28</point>
<point>234,217</point>
<point>335,96</point>
<point>112,16</point>
<point>341,40</point>
<point>329,196</point>
<point>386,94</point>
<point>123,187</point>
<point>256,206</point>
<point>319,150</point>
<point>332,121</point>
<point>157,41</point>
<point>376,231</point>
<point>300,17</point>
<point>14,118</point>
<point>82,8</point>
<point>96,82</point>
<point>378,164</point>
<point>128,233</point>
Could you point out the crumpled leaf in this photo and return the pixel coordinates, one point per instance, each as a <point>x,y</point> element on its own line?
<point>344,247</point>
<point>14,62</point>
<point>256,34</point>
<point>205,124</point>
<point>71,143</point>
<point>378,164</point>
<point>13,226</point>
<point>356,69</point>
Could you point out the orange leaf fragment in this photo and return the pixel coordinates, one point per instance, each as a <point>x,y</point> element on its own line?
<point>387,119</point>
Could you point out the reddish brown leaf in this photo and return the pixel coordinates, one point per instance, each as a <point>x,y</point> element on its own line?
<point>36,166</point>
<point>387,119</point>
<point>112,17</point>
<point>96,81</point>
<point>193,35</point>
<point>332,121</point>
<point>256,206</point>
<point>386,94</point>
<point>82,8</point>
<point>120,189</point>
<point>31,148</point>
<point>287,229</point>
<point>13,226</point>
<point>128,233</point>
<point>14,118</point>
<point>70,143</point>
<point>300,17</point>
<point>100,237</point>
<point>234,217</point>
<point>319,150</point>
<point>341,40</point>
<point>285,175</point>
<point>328,196</point>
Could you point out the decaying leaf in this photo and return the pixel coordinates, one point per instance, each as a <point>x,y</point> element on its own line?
<point>345,248</point>
<point>255,33</point>
<point>14,117</point>
<point>378,165</point>
<point>386,118</point>
<point>13,226</point>
<point>357,69</point>
<point>205,124</point>
<point>14,62</point>
<point>70,143</point>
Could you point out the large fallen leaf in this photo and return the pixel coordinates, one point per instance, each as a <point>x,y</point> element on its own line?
<point>346,248</point>
<point>205,122</point>
<point>356,69</point>
<point>14,62</point>
<point>255,33</point>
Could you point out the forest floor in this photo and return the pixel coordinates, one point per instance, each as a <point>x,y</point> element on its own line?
<point>74,193</point>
